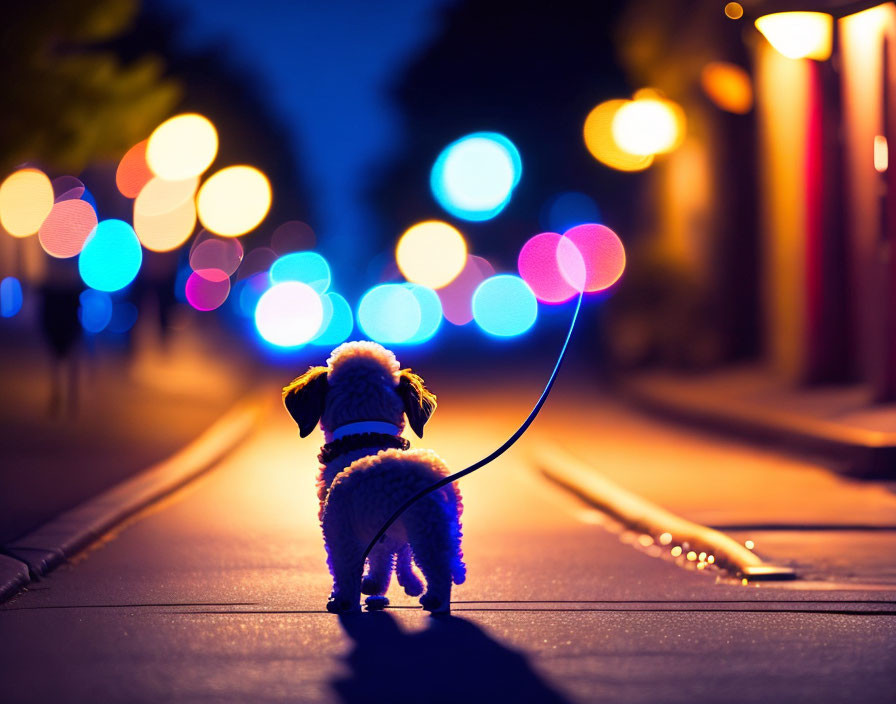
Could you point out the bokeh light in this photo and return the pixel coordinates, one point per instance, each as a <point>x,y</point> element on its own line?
<point>457,297</point>
<point>182,147</point>
<point>234,200</point>
<point>133,172</point>
<point>881,152</point>
<point>389,313</point>
<point>66,228</point>
<point>430,313</point>
<point>603,255</point>
<point>474,177</point>
<point>799,35</point>
<point>540,266</point>
<point>209,252</point>
<point>308,267</point>
<point>431,253</point>
<point>734,10</point>
<point>207,289</point>
<point>87,197</point>
<point>95,310</point>
<point>167,231</point>
<point>599,140</point>
<point>124,316</point>
<point>249,291</point>
<point>10,296</point>
<point>111,256</point>
<point>159,196</point>
<point>566,210</point>
<point>292,236</point>
<point>289,314</point>
<point>67,188</point>
<point>256,261</point>
<point>728,86</point>
<point>648,126</point>
<point>26,198</point>
<point>338,321</point>
<point>504,306</point>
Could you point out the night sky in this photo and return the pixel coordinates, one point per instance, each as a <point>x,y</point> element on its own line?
<point>328,68</point>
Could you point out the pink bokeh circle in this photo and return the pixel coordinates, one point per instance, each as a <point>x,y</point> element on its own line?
<point>457,296</point>
<point>553,267</point>
<point>207,289</point>
<point>603,255</point>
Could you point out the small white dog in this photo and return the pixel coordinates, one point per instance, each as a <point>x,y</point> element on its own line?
<point>367,471</point>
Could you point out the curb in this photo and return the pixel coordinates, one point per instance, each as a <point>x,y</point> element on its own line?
<point>13,576</point>
<point>39,552</point>
<point>637,513</point>
<point>868,454</point>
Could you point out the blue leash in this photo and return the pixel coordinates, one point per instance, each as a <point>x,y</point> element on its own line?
<point>485,460</point>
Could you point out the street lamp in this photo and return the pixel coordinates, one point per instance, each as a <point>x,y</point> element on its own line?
<point>799,35</point>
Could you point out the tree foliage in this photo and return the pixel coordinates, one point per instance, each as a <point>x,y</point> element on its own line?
<point>68,97</point>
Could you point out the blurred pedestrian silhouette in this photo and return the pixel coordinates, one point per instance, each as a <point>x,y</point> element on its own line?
<point>154,290</point>
<point>61,330</point>
<point>451,660</point>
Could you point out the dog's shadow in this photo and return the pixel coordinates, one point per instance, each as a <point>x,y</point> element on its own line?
<point>452,660</point>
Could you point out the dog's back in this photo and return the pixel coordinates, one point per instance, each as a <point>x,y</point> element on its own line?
<point>364,495</point>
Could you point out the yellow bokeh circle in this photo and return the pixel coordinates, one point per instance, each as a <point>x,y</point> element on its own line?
<point>182,147</point>
<point>26,198</point>
<point>164,232</point>
<point>431,253</point>
<point>599,139</point>
<point>234,200</point>
<point>648,125</point>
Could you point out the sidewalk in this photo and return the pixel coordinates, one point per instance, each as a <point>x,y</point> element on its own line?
<point>218,594</point>
<point>835,530</point>
<point>839,421</point>
<point>135,410</point>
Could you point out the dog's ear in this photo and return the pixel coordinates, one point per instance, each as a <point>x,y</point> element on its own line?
<point>419,402</point>
<point>305,397</point>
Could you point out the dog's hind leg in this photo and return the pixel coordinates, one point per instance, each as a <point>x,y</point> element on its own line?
<point>344,552</point>
<point>430,536</point>
<point>381,563</point>
<point>404,573</point>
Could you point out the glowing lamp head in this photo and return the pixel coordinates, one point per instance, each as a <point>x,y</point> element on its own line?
<point>799,35</point>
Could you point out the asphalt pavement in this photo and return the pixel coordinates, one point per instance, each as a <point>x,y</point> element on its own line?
<point>217,594</point>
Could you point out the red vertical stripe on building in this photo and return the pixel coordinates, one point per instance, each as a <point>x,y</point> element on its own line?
<point>814,193</point>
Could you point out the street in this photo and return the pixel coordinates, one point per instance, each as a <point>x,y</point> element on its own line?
<point>218,594</point>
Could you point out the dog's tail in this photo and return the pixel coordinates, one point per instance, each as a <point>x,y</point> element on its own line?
<point>458,568</point>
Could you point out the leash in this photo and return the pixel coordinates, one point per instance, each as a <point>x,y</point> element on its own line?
<point>489,458</point>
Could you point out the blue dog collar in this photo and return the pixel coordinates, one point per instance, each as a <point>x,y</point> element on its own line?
<point>365,426</point>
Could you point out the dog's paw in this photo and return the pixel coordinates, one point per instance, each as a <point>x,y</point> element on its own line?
<point>436,605</point>
<point>376,603</point>
<point>370,586</point>
<point>340,605</point>
<point>412,587</point>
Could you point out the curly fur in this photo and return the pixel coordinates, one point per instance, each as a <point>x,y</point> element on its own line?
<point>359,491</point>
